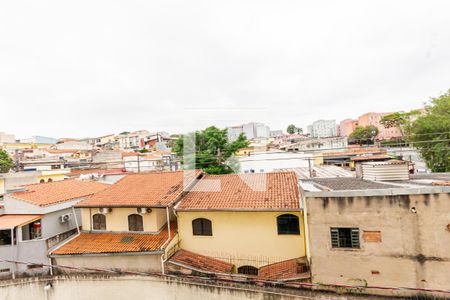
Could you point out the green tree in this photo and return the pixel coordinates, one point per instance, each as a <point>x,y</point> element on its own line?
<point>291,129</point>
<point>400,120</point>
<point>364,135</point>
<point>6,163</point>
<point>212,149</point>
<point>430,134</point>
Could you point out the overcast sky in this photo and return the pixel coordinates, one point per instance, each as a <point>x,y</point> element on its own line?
<point>87,68</point>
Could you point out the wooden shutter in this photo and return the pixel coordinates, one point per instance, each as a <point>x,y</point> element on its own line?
<point>334,237</point>
<point>202,227</point>
<point>355,238</point>
<point>99,222</point>
<point>206,227</point>
<point>135,223</point>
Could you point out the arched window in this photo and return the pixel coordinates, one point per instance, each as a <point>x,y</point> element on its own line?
<point>135,223</point>
<point>42,181</point>
<point>99,222</point>
<point>288,224</point>
<point>202,226</point>
<point>248,270</point>
<point>49,180</point>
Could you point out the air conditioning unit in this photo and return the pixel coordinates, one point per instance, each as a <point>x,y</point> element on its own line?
<point>65,218</point>
<point>144,210</point>
<point>105,210</point>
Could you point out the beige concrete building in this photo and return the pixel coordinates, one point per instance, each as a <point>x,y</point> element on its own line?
<point>369,233</point>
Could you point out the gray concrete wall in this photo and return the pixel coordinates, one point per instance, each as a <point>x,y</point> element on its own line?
<point>133,263</point>
<point>414,246</point>
<point>134,287</point>
<point>51,224</point>
<point>34,251</point>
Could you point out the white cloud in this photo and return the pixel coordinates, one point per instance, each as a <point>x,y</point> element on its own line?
<point>95,67</point>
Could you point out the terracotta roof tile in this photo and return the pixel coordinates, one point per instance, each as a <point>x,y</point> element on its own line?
<point>284,270</point>
<point>260,191</point>
<point>108,242</point>
<point>158,189</point>
<point>200,262</point>
<point>50,193</point>
<point>441,183</point>
<point>56,151</point>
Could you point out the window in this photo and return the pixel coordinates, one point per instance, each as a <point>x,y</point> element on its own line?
<point>135,223</point>
<point>99,222</point>
<point>49,180</point>
<point>248,270</point>
<point>32,231</point>
<point>345,238</point>
<point>42,181</point>
<point>5,237</point>
<point>288,224</point>
<point>202,227</point>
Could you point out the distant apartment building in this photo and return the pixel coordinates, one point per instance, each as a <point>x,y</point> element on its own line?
<point>275,133</point>
<point>323,128</point>
<point>374,119</point>
<point>7,138</point>
<point>319,144</point>
<point>251,130</point>
<point>133,140</point>
<point>347,126</point>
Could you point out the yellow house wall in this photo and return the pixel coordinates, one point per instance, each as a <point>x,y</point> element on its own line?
<point>2,186</point>
<point>243,238</point>
<point>117,220</point>
<point>54,177</point>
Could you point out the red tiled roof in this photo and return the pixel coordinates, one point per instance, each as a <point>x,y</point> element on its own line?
<point>200,262</point>
<point>50,193</point>
<point>284,270</point>
<point>108,242</point>
<point>158,189</point>
<point>56,151</point>
<point>441,183</point>
<point>260,191</point>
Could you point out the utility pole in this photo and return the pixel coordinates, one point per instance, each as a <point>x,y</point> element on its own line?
<point>309,166</point>
<point>139,163</point>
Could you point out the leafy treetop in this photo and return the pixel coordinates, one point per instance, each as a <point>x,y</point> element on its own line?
<point>6,163</point>
<point>212,149</point>
<point>430,134</point>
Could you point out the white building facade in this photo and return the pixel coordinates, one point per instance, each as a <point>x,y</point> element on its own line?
<point>323,128</point>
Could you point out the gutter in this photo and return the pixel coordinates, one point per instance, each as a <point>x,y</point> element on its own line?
<point>241,210</point>
<point>109,254</point>
<point>166,242</point>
